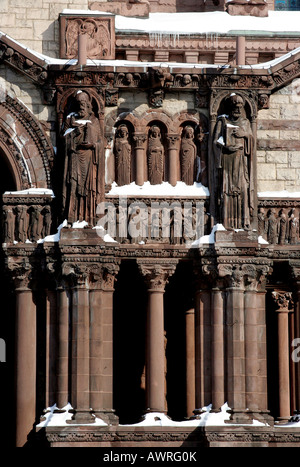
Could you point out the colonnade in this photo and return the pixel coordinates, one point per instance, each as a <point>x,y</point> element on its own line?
<point>226,349</point>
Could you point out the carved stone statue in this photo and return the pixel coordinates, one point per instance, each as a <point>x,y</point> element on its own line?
<point>261,222</point>
<point>123,156</point>
<point>155,156</point>
<point>8,220</point>
<point>34,231</point>
<point>273,227</point>
<point>188,156</point>
<point>293,228</point>
<point>82,140</point>
<point>233,147</point>
<point>282,228</point>
<point>21,223</point>
<point>46,221</point>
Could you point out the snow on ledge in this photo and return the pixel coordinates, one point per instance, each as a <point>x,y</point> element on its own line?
<point>32,192</point>
<point>278,194</point>
<point>164,189</point>
<point>60,419</point>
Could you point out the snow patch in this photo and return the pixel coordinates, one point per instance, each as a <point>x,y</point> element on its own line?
<point>164,189</point>
<point>208,239</point>
<point>53,418</point>
<point>55,237</point>
<point>32,191</point>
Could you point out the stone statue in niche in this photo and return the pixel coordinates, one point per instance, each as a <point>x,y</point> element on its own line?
<point>21,223</point>
<point>261,222</point>
<point>8,224</point>
<point>282,228</point>
<point>34,231</point>
<point>188,156</point>
<point>155,157</point>
<point>273,227</point>
<point>293,228</point>
<point>82,146</point>
<point>46,221</point>
<point>123,156</point>
<point>233,148</point>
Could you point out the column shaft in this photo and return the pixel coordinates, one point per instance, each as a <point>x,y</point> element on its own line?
<point>25,362</point>
<point>62,368</point>
<point>217,349</point>
<point>190,360</point>
<point>251,351</point>
<point>202,349</point>
<point>283,366</point>
<point>155,372</point>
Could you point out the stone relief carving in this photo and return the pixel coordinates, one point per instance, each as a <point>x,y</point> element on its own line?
<point>233,152</point>
<point>99,32</point>
<point>122,149</point>
<point>82,147</point>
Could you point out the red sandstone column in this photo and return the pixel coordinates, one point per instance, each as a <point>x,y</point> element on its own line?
<point>82,49</point>
<point>190,360</point>
<point>101,343</point>
<point>202,345</point>
<point>62,364</point>
<point>25,358</point>
<point>251,351</point>
<point>235,341</point>
<point>139,158</point>
<point>294,349</point>
<point>283,307</point>
<point>80,389</point>
<point>51,347</point>
<point>262,385</point>
<point>173,158</point>
<point>217,349</point>
<point>156,274</point>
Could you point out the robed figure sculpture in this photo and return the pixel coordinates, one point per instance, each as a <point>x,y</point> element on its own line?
<point>188,156</point>
<point>155,154</point>
<point>81,189</point>
<point>233,158</point>
<point>123,156</point>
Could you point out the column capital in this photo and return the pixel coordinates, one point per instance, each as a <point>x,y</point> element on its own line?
<point>98,275</point>
<point>173,140</point>
<point>139,139</point>
<point>244,276</point>
<point>21,273</point>
<point>156,273</point>
<point>283,301</point>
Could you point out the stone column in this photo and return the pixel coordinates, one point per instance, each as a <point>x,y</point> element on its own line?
<point>80,389</point>
<point>202,343</point>
<point>25,353</point>
<point>173,158</point>
<point>296,359</point>
<point>190,360</point>
<point>101,341</point>
<point>139,140</point>
<point>235,341</point>
<point>283,303</point>
<point>156,274</point>
<point>217,348</point>
<point>62,363</point>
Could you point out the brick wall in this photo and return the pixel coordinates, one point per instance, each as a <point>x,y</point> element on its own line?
<point>278,141</point>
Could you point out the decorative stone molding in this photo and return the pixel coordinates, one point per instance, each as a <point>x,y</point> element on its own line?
<point>283,301</point>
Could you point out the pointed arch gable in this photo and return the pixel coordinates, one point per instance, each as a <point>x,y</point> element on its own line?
<point>24,144</point>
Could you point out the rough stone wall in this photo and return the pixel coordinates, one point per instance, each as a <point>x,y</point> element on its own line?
<point>278,141</point>
<point>35,22</point>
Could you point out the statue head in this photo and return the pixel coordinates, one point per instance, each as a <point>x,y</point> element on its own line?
<point>188,132</point>
<point>84,104</point>
<point>236,103</point>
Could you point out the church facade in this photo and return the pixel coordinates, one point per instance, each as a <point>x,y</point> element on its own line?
<point>150,225</point>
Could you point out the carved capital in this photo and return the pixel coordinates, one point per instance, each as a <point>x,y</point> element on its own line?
<point>21,273</point>
<point>75,274</point>
<point>157,273</point>
<point>103,275</point>
<point>173,141</point>
<point>283,301</point>
<point>139,139</point>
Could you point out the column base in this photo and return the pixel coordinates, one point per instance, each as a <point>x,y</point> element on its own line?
<point>239,417</point>
<point>282,420</point>
<point>108,416</point>
<point>81,416</point>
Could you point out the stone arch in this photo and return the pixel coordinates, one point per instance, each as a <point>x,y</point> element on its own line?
<point>220,98</point>
<point>24,145</point>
